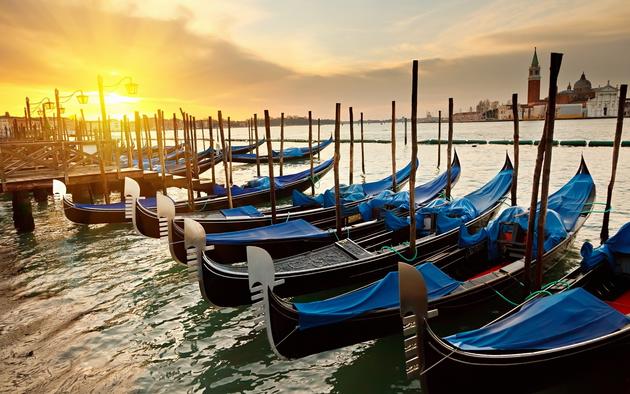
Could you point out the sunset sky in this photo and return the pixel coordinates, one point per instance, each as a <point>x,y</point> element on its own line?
<point>294,56</point>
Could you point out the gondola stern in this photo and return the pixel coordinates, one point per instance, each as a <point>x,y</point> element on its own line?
<point>165,213</point>
<point>414,312</point>
<point>132,194</point>
<point>261,276</point>
<point>59,190</point>
<point>508,162</point>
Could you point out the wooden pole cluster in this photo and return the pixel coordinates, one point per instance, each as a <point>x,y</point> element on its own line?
<point>394,183</point>
<point>139,151</point>
<point>336,170</point>
<point>351,166</point>
<point>188,161</point>
<point>516,148</point>
<point>159,131</point>
<point>282,141</point>
<point>622,100</point>
<point>225,166</point>
<point>272,183</point>
<point>556,61</point>
<point>362,147</point>
<point>414,156</point>
<point>449,148</point>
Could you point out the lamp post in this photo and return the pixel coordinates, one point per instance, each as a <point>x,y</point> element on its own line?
<point>130,86</point>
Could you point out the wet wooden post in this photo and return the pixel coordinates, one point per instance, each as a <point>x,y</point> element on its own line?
<point>128,142</point>
<point>414,157</point>
<point>203,137</point>
<point>623,90</point>
<point>28,115</point>
<point>405,131</point>
<point>225,165</point>
<point>256,142</point>
<point>249,131</point>
<point>351,166</point>
<point>176,138</point>
<point>516,148</point>
<point>394,183</point>
<point>230,149</point>
<point>338,218</point>
<point>319,138</point>
<point>22,212</point>
<point>282,142</point>
<point>138,126</point>
<point>214,151</point>
<point>117,157</point>
<point>556,61</point>
<point>439,141</point>
<point>193,122</point>
<point>362,148</point>
<point>272,183</point>
<point>101,166</point>
<point>449,148</point>
<point>160,141</point>
<point>310,150</point>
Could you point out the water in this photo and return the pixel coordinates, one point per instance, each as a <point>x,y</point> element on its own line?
<point>99,308</point>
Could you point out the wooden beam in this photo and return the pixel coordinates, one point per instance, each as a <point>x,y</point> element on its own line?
<point>272,182</point>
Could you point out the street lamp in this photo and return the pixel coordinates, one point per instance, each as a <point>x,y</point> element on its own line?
<point>130,86</point>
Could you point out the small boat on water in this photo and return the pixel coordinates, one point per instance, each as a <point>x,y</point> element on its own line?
<point>253,192</point>
<point>582,328</point>
<point>348,261</point>
<point>288,154</point>
<point>247,217</point>
<point>455,278</point>
<point>292,235</point>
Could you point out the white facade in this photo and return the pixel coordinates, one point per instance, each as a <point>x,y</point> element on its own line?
<point>604,104</point>
<point>569,111</point>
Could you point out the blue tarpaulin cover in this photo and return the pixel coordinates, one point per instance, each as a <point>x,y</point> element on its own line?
<point>354,192</point>
<point>145,202</point>
<point>568,318</point>
<point>379,295</point>
<point>564,207</point>
<point>423,194</point>
<point>247,210</point>
<point>262,183</point>
<point>288,152</point>
<point>618,243</point>
<point>294,229</point>
<point>451,215</point>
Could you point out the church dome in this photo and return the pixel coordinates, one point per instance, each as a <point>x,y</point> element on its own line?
<point>583,85</point>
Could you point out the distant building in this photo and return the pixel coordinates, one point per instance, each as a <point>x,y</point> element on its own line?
<point>470,116</point>
<point>533,82</point>
<point>605,102</point>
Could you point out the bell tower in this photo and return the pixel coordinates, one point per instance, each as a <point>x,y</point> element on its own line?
<point>533,82</point>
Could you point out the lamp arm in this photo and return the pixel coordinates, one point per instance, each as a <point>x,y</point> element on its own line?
<point>118,83</point>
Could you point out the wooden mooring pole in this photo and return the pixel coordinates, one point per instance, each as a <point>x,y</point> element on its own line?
<point>449,148</point>
<point>516,149</point>
<point>214,153</point>
<point>439,141</point>
<point>405,131</point>
<point>556,61</point>
<point>414,156</point>
<point>229,150</point>
<point>188,163</point>
<point>225,165</point>
<point>282,142</point>
<point>319,138</point>
<point>362,148</point>
<point>138,129</point>
<point>272,182</point>
<point>351,165</point>
<point>256,142</point>
<point>623,91</point>
<point>310,150</point>
<point>394,185</point>
<point>338,218</point>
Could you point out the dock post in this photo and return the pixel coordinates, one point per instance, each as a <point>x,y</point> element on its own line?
<point>175,137</point>
<point>338,218</point>
<point>362,148</point>
<point>319,138</point>
<point>256,142</point>
<point>310,150</point>
<point>272,182</point>
<point>229,150</point>
<point>394,183</point>
<point>516,148</point>
<point>225,166</point>
<point>128,142</point>
<point>405,131</point>
<point>449,148</point>
<point>351,166</point>
<point>160,141</point>
<point>623,90</point>
<point>556,61</point>
<point>439,141</point>
<point>138,128</point>
<point>41,196</point>
<point>214,151</point>
<point>282,142</point>
<point>22,212</point>
<point>414,156</point>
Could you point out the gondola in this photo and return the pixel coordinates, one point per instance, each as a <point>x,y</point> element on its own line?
<point>123,212</point>
<point>344,262</point>
<point>289,154</point>
<point>246,217</point>
<point>582,329</point>
<point>287,237</point>
<point>458,277</point>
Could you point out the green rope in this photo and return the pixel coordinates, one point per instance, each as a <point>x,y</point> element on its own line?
<point>543,290</point>
<point>505,298</point>
<point>314,180</point>
<point>592,211</point>
<point>408,260</point>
